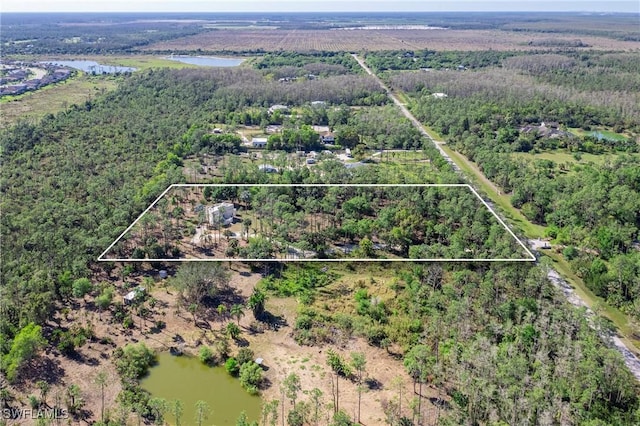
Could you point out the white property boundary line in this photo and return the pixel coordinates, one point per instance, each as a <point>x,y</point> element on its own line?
<point>532,258</point>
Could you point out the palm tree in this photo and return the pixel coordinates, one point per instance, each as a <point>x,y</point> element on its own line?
<point>256,303</point>
<point>101,380</point>
<point>233,330</point>
<point>44,390</point>
<point>246,224</point>
<point>222,310</point>
<point>237,311</point>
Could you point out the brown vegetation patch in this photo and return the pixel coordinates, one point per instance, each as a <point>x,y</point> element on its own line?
<point>358,40</point>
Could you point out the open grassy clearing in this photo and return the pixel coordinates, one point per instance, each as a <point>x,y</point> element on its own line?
<point>357,40</point>
<point>54,98</point>
<point>142,62</point>
<point>605,25</point>
<point>604,133</point>
<point>565,157</point>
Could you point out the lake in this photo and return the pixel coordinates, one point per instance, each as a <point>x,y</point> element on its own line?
<point>187,379</point>
<point>207,61</point>
<point>91,67</point>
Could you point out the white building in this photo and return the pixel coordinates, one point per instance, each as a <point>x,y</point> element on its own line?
<point>259,142</point>
<point>221,213</point>
<point>278,107</point>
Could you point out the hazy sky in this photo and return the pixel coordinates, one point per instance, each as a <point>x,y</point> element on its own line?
<point>313,6</point>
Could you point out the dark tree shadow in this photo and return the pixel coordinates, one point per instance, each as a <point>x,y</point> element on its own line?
<point>40,368</point>
<point>241,342</point>
<point>275,322</point>
<point>440,402</point>
<point>265,384</point>
<point>373,383</point>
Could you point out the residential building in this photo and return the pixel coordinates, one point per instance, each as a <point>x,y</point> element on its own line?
<point>222,213</point>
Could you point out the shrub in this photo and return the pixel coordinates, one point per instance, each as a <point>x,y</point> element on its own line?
<point>231,365</point>
<point>304,322</point>
<point>33,401</point>
<point>570,252</point>
<point>127,322</point>
<point>244,356</point>
<point>134,360</point>
<point>207,356</point>
<point>250,377</point>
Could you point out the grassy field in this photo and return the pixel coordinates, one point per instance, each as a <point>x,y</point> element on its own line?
<point>565,157</point>
<point>142,62</point>
<point>604,133</point>
<point>53,98</point>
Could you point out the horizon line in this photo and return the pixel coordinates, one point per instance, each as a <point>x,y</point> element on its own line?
<point>598,12</point>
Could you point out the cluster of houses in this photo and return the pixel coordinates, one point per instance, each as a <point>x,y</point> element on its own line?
<point>292,79</point>
<point>14,79</point>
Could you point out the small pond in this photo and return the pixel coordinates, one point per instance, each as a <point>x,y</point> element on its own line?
<point>607,136</point>
<point>207,61</point>
<point>91,67</point>
<point>187,379</point>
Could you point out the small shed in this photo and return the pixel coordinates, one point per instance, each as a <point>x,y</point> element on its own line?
<point>130,297</point>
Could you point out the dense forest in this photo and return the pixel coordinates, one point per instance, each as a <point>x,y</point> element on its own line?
<point>53,38</point>
<point>99,164</point>
<point>427,59</point>
<point>590,207</point>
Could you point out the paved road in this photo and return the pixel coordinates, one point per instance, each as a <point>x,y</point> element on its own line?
<point>631,361</point>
